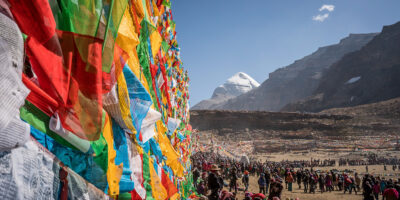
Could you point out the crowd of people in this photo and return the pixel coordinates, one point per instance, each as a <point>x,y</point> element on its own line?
<point>309,163</point>
<point>371,159</point>
<point>216,177</point>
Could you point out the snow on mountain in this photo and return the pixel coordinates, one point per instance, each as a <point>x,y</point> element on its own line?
<point>236,85</point>
<point>353,80</point>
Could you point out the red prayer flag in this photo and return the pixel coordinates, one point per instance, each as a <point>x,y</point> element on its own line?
<point>34,18</point>
<point>168,184</point>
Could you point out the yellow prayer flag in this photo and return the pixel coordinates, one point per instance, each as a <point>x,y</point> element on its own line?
<point>114,172</point>
<point>158,190</point>
<point>127,40</point>
<point>167,150</point>
<point>155,39</point>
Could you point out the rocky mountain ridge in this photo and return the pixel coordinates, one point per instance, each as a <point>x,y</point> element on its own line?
<point>361,77</point>
<point>296,81</point>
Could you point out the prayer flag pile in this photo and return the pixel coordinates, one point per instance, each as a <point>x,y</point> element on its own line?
<point>107,101</point>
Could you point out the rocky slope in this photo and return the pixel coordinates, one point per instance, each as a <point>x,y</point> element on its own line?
<point>369,75</point>
<point>298,80</point>
<point>371,119</point>
<point>236,85</point>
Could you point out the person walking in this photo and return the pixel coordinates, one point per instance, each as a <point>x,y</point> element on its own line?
<point>390,193</point>
<point>267,181</point>
<point>353,185</point>
<point>276,189</point>
<point>214,183</point>
<point>245,180</point>
<point>262,183</point>
<point>335,181</point>
<point>305,181</point>
<point>347,183</point>
<point>328,183</point>
<point>368,190</point>
<point>289,181</point>
<point>201,188</point>
<point>358,181</point>
<point>377,190</point>
<point>285,175</point>
<point>313,180</point>
<point>299,175</point>
<point>341,182</point>
<point>321,182</point>
<point>196,175</point>
<point>383,185</point>
<point>233,180</point>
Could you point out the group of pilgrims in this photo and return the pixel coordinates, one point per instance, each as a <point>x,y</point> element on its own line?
<point>221,178</point>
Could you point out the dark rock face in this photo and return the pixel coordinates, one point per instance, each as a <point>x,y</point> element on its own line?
<point>296,81</point>
<point>369,75</point>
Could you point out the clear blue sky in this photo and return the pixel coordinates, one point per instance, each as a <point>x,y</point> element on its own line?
<point>219,38</point>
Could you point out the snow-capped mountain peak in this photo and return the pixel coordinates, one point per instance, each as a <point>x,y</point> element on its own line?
<point>242,78</point>
<point>236,85</point>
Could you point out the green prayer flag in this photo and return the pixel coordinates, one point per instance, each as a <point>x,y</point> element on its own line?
<point>39,120</point>
<point>146,176</point>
